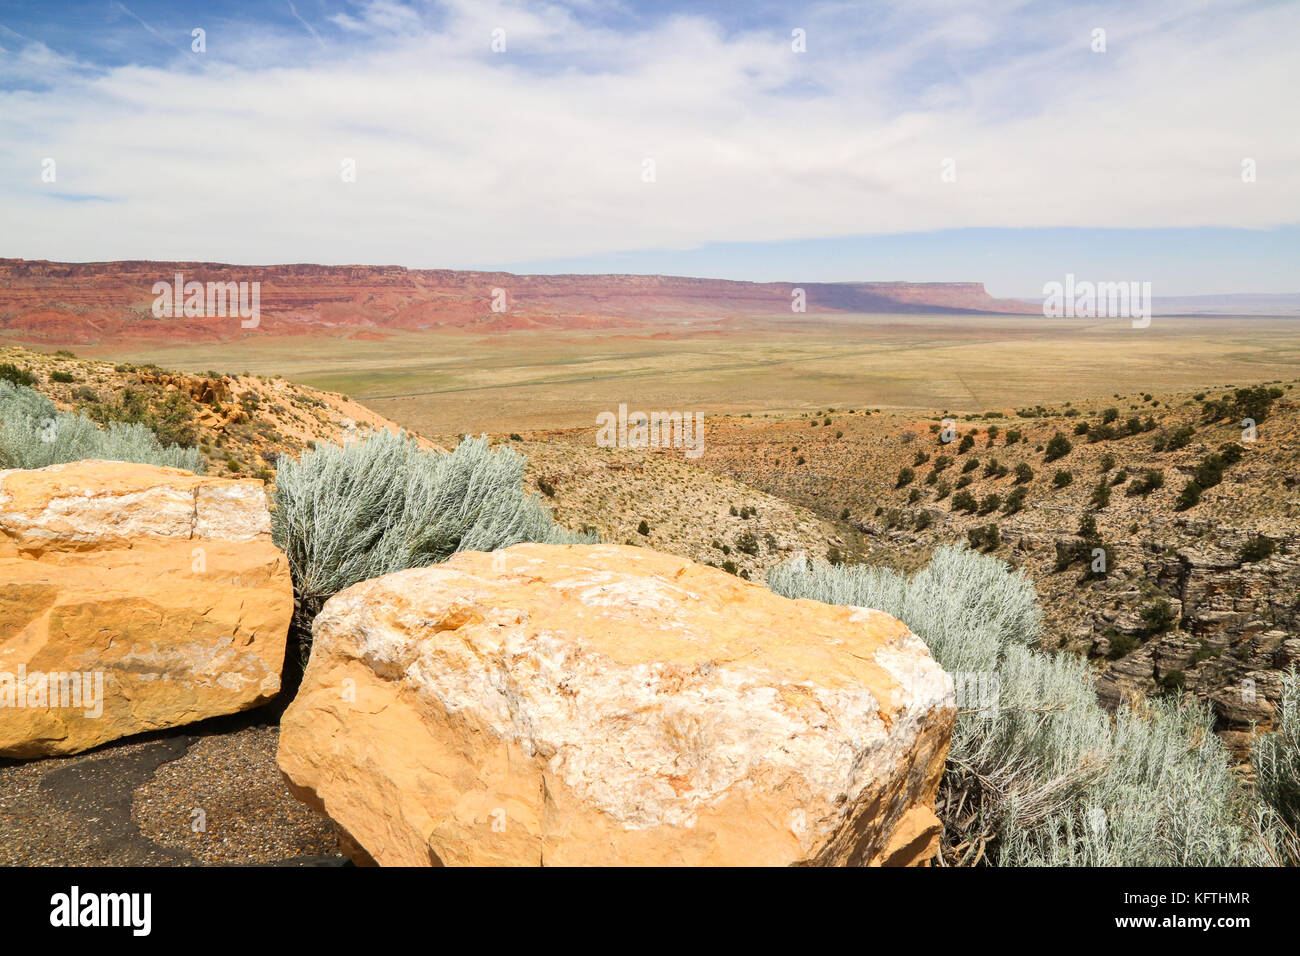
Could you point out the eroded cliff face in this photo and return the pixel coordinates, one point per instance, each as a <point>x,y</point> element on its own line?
<point>611,705</point>
<point>71,303</point>
<point>1237,630</point>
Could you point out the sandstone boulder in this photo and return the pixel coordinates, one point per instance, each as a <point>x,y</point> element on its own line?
<point>133,598</point>
<point>599,704</point>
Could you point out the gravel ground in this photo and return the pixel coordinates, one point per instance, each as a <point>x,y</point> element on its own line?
<point>226,802</point>
<point>133,803</point>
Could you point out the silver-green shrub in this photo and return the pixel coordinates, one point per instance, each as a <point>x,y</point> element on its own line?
<point>1044,775</point>
<point>33,434</point>
<point>1276,758</point>
<point>380,503</point>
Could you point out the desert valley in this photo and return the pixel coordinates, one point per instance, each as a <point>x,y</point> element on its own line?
<point>880,425</point>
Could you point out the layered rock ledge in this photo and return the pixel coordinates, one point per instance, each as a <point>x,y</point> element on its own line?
<point>133,598</point>
<point>610,705</point>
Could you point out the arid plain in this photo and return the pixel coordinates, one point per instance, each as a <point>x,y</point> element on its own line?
<point>444,382</point>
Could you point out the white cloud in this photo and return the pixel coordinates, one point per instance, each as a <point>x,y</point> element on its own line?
<point>466,157</point>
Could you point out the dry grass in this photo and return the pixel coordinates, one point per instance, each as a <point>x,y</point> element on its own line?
<point>439,382</point>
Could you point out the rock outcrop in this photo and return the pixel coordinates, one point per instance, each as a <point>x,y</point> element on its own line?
<point>133,598</point>
<point>611,705</point>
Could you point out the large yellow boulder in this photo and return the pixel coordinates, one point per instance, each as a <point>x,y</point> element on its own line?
<point>610,705</point>
<point>132,598</point>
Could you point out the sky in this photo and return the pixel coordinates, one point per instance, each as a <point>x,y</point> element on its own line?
<point>928,140</point>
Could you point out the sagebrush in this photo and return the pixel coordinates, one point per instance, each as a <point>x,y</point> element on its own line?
<point>1276,759</point>
<point>1045,776</point>
<point>33,434</point>
<point>380,503</point>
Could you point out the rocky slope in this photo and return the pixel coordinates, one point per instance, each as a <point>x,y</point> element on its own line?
<point>1198,596</point>
<point>708,517</point>
<point>241,423</point>
<point>69,303</point>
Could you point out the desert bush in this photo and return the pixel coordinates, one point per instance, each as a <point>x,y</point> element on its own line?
<point>1062,478</point>
<point>1230,453</point>
<point>1254,403</point>
<point>964,501</point>
<point>1057,447</point>
<point>34,434</point>
<point>11,373</point>
<point>1100,494</point>
<point>905,476</point>
<point>380,503</point>
<point>1209,471</point>
<point>1276,759</point>
<point>175,420</point>
<point>1158,617</point>
<point>984,537</point>
<point>1189,497</point>
<point>1122,644</point>
<point>1171,682</point>
<point>1151,481</point>
<point>1179,437</point>
<point>1046,776</point>
<point>1256,549</point>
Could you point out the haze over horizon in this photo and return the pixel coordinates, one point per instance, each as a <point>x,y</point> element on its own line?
<point>935,143</point>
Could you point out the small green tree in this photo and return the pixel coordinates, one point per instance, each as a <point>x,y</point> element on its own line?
<point>1058,446</point>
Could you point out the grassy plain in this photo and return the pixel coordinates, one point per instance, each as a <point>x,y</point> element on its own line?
<point>448,382</point>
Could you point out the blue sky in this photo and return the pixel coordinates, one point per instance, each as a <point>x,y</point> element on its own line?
<point>928,140</point>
